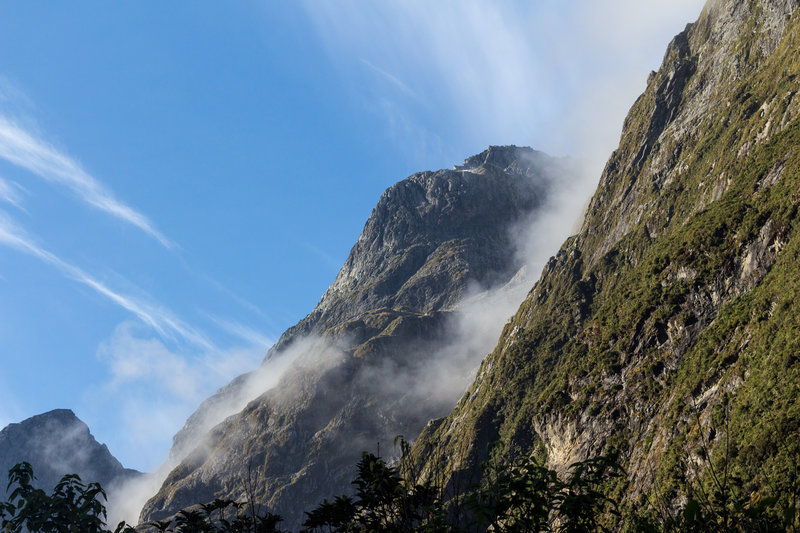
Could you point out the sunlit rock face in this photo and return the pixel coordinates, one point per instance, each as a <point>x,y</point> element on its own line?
<point>665,331</point>
<point>57,443</point>
<point>370,362</point>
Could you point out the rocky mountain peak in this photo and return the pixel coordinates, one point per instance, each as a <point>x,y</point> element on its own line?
<point>702,69</point>
<point>366,357</point>
<point>55,419</point>
<point>517,159</point>
<point>435,232</point>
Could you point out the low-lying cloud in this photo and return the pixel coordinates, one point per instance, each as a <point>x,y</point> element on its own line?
<point>180,382</point>
<point>445,370</point>
<point>158,385</point>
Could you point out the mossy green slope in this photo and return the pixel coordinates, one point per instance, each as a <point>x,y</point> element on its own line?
<point>668,328</point>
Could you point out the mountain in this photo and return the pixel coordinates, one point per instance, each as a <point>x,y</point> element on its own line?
<point>378,356</point>
<point>666,329</point>
<point>57,443</point>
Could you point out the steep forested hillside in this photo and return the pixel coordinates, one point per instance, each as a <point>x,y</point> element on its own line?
<point>668,328</point>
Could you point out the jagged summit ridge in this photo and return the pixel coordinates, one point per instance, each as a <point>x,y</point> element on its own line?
<point>514,159</point>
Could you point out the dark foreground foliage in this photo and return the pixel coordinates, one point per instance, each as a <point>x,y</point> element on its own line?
<point>72,507</point>
<point>523,495</point>
<point>520,495</point>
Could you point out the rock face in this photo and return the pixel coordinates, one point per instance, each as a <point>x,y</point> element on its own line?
<point>366,363</point>
<point>667,327</point>
<point>58,443</point>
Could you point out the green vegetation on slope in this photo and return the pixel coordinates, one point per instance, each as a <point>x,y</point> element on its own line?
<point>677,306</point>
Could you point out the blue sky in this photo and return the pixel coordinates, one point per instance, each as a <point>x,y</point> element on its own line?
<point>180,181</point>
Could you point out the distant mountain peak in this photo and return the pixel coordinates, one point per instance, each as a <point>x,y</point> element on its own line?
<point>65,416</point>
<point>57,443</point>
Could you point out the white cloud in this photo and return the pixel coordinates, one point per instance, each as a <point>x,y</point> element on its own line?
<point>246,304</point>
<point>391,78</point>
<point>10,411</point>
<point>157,387</point>
<point>11,193</point>
<point>325,258</point>
<point>20,148</point>
<point>11,95</point>
<point>160,319</point>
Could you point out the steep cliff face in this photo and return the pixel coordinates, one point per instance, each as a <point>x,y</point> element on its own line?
<point>367,362</point>
<point>57,443</point>
<point>669,322</point>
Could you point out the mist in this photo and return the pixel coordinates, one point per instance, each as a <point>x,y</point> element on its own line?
<point>126,499</point>
<point>182,382</point>
<point>425,381</point>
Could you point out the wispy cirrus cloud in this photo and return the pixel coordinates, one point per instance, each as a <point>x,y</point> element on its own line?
<point>155,316</point>
<point>391,78</point>
<point>156,388</point>
<point>245,333</point>
<point>11,193</point>
<point>135,357</point>
<point>21,148</point>
<point>10,411</point>
<point>242,302</point>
